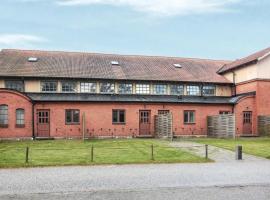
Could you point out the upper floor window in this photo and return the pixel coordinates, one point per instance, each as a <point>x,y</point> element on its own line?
<point>118,116</point>
<point>209,90</point>
<point>142,89</point>
<point>177,89</point>
<point>48,86</point>
<point>160,89</point>
<point>3,115</point>
<point>193,90</point>
<point>89,87</point>
<point>107,88</point>
<point>20,117</point>
<point>69,86</point>
<point>15,85</point>
<point>72,116</point>
<point>189,116</point>
<point>125,88</point>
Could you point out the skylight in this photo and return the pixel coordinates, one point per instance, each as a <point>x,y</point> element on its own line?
<point>177,65</point>
<point>114,62</point>
<point>32,59</point>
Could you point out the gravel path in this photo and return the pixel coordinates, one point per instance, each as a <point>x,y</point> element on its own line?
<point>215,153</point>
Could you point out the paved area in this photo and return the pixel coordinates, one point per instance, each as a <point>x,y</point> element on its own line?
<point>214,153</point>
<point>261,192</point>
<point>115,182</point>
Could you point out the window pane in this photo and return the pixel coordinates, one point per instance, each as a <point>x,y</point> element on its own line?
<point>48,86</point>
<point>115,116</point>
<point>193,90</point>
<point>20,116</point>
<point>185,117</point>
<point>159,89</point>
<point>125,88</point>
<point>121,116</point>
<point>68,116</point>
<point>177,89</point>
<point>68,87</point>
<point>15,85</point>
<point>76,116</point>
<point>191,117</point>
<point>89,87</point>
<point>142,89</point>
<point>3,115</point>
<point>209,90</point>
<point>107,88</point>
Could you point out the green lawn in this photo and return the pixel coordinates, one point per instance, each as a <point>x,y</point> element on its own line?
<point>78,152</point>
<point>254,146</point>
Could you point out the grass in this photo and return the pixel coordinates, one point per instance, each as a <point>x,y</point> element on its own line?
<point>254,146</point>
<point>77,152</point>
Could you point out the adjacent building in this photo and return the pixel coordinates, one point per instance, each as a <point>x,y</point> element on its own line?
<point>71,95</point>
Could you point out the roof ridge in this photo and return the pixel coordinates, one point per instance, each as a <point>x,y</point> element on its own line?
<point>112,54</point>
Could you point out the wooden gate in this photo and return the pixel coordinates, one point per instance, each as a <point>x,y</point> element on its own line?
<point>43,123</point>
<point>247,123</point>
<point>163,125</point>
<point>145,122</point>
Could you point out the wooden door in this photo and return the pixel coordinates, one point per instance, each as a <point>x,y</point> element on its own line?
<point>43,123</point>
<point>145,122</point>
<point>247,122</point>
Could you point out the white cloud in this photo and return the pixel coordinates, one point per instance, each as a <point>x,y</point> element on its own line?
<point>162,7</point>
<point>19,40</point>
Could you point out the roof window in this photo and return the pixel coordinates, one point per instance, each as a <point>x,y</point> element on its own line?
<point>32,59</point>
<point>177,65</point>
<point>114,62</point>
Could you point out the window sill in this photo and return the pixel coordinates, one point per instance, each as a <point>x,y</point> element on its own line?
<point>119,123</point>
<point>189,123</point>
<point>19,125</point>
<point>72,123</point>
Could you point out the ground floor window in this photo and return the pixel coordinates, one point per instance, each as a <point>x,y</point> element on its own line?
<point>72,116</point>
<point>3,115</point>
<point>189,116</point>
<point>20,117</point>
<point>118,116</point>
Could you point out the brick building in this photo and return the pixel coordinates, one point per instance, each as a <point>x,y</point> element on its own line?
<point>68,95</point>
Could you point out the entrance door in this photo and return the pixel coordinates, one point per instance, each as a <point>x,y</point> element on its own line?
<point>43,123</point>
<point>247,122</point>
<point>145,122</point>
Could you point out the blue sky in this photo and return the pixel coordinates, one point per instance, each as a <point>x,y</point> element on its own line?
<point>218,29</point>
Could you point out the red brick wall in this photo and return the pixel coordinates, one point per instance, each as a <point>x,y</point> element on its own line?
<point>99,118</point>
<point>16,100</point>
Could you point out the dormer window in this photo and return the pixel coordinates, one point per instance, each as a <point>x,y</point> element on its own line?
<point>69,86</point>
<point>107,88</point>
<point>177,65</point>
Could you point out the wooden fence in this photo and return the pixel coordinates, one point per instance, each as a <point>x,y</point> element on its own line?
<point>221,125</point>
<point>264,125</point>
<point>163,125</point>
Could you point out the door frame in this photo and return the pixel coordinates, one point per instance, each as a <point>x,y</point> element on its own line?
<point>250,132</point>
<point>149,122</point>
<point>49,121</point>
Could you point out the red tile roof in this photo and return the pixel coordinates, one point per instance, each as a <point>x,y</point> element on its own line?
<point>245,61</point>
<point>55,64</point>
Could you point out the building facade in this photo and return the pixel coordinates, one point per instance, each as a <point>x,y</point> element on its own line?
<point>72,95</point>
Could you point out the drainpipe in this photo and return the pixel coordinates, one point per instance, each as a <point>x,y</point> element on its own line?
<point>33,120</point>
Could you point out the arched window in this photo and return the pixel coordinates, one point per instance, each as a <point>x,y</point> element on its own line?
<point>20,117</point>
<point>3,115</point>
